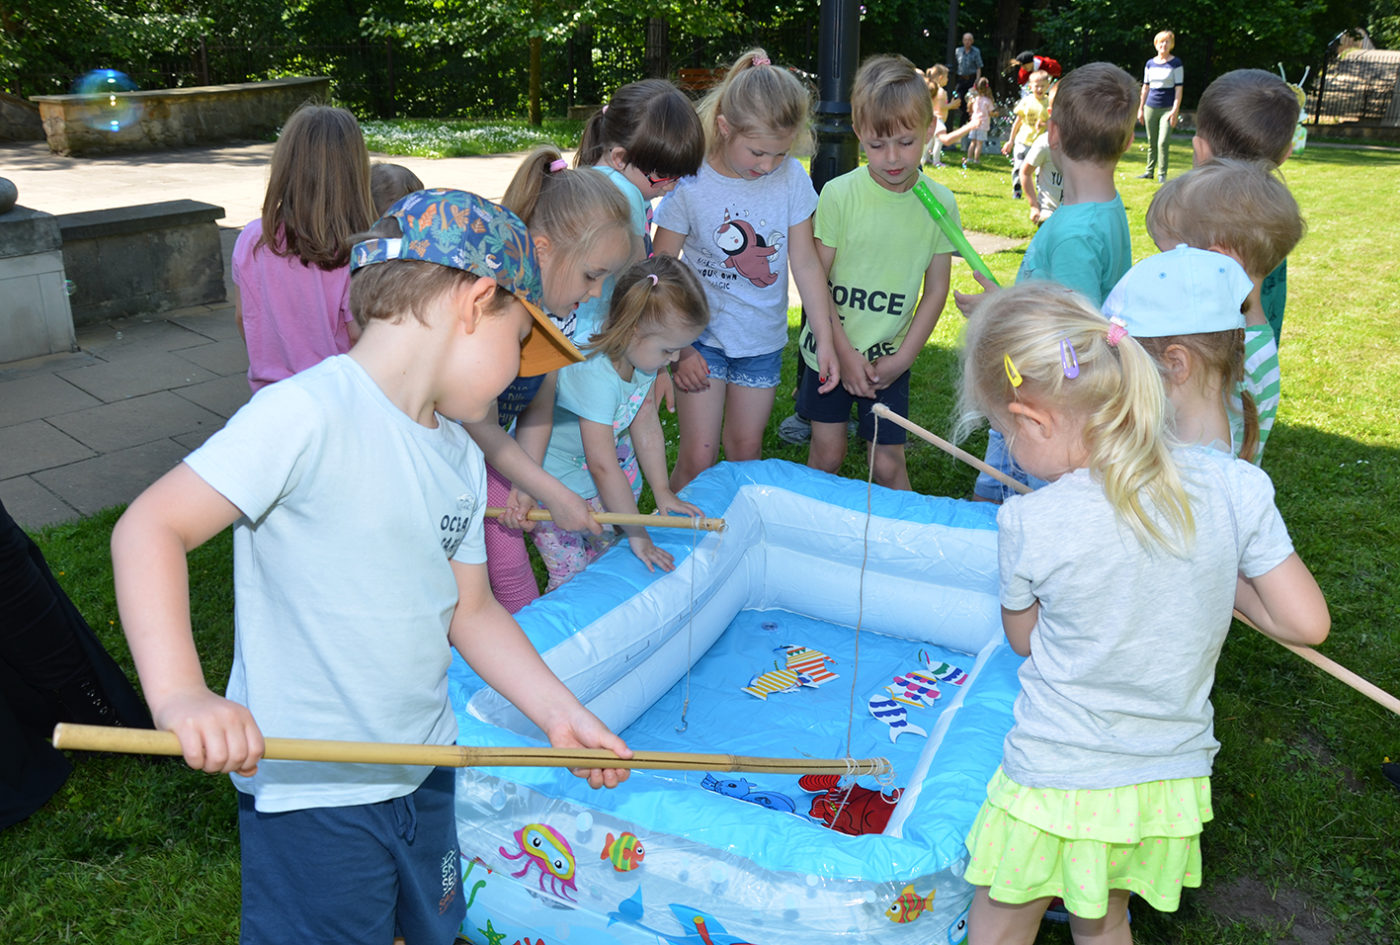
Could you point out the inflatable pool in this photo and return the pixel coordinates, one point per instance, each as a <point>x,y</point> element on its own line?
<point>749,647</point>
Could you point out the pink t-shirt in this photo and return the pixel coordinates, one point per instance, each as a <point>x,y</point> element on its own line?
<point>294,316</point>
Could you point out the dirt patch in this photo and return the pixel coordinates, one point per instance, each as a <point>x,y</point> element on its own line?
<point>1248,900</point>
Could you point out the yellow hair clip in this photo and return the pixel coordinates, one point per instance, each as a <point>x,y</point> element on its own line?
<point>1012,375</point>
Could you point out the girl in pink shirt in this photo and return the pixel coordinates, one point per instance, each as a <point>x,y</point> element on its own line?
<point>291,267</point>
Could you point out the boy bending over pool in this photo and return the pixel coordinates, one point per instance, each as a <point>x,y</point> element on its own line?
<point>358,558</point>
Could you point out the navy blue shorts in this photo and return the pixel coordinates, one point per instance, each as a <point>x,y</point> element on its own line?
<point>359,874</point>
<point>835,407</point>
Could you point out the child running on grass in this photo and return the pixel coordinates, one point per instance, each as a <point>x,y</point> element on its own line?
<point>742,222</point>
<point>358,561</point>
<point>1117,582</point>
<point>658,309</point>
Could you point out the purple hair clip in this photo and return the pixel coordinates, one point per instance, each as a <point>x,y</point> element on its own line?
<point>1069,359</point>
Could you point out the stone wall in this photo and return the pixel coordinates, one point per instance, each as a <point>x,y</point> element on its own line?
<point>137,260</point>
<point>34,313</point>
<point>19,120</point>
<point>173,118</point>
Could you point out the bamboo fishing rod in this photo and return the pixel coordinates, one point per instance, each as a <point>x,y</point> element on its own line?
<point>136,741</point>
<point>623,518</point>
<point>1329,666</point>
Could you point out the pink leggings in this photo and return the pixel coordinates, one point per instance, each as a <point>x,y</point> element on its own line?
<point>507,560</point>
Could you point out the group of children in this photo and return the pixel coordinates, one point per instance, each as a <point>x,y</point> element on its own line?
<point>459,354</point>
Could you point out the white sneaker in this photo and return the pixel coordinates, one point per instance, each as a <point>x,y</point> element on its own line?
<point>795,430</point>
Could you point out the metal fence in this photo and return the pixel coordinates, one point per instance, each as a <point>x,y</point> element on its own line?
<point>1357,85</point>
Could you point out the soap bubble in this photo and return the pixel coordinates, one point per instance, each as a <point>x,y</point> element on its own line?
<point>107,108</point>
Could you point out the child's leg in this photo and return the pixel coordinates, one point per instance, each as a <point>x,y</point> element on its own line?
<point>829,414</point>
<point>746,412</point>
<point>700,416</point>
<point>507,560</point>
<point>891,471</point>
<point>1112,929</point>
<point>828,447</point>
<point>566,553</point>
<point>887,439</point>
<point>998,923</point>
<point>936,144</point>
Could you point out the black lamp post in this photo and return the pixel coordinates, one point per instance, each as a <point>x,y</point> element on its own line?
<point>838,49</point>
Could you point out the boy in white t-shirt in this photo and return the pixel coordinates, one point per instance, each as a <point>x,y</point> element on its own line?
<point>358,561</point>
<point>888,265</point>
<point>1040,177</point>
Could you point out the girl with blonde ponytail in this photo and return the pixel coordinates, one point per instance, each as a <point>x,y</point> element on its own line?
<point>1117,582</point>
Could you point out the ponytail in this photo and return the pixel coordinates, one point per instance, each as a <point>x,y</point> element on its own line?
<point>757,97</point>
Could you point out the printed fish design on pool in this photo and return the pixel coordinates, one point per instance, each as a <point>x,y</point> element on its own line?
<point>624,852</point>
<point>909,906</point>
<point>543,846</point>
<point>884,707</point>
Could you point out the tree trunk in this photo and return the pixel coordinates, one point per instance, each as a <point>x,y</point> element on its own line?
<point>658,49</point>
<point>536,51</point>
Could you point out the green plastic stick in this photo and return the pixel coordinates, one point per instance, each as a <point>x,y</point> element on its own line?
<point>951,230</point>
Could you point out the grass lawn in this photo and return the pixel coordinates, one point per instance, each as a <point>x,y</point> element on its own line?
<point>1303,847</point>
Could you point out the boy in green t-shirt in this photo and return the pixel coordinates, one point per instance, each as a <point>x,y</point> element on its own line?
<point>888,265</point>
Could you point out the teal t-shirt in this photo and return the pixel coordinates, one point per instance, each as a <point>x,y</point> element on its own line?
<point>591,389</point>
<point>1273,294</point>
<point>884,243</point>
<point>591,313</point>
<point>1083,246</point>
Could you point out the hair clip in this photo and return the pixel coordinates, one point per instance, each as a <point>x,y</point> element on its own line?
<point>762,61</point>
<point>1117,331</point>
<point>1012,375</point>
<point>557,165</point>
<point>654,280</point>
<point>1069,359</point>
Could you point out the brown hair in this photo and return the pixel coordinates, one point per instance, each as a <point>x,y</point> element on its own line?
<point>571,206</point>
<point>1248,113</point>
<point>641,306</point>
<point>888,95</point>
<point>1095,110</point>
<point>317,188</point>
<point>654,122</point>
<point>1221,355</point>
<point>390,182</point>
<point>1240,206</point>
<point>757,97</point>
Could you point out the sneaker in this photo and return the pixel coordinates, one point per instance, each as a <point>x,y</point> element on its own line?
<point>1162,179</point>
<point>1056,911</point>
<point>1391,770</point>
<point>1144,176</point>
<point>939,164</point>
<point>795,430</point>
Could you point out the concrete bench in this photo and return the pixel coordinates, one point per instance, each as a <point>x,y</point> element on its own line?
<point>143,259</point>
<point>34,314</point>
<point>174,118</point>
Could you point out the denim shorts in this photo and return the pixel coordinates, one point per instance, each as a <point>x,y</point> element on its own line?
<point>363,873</point>
<point>835,407</point>
<point>761,370</point>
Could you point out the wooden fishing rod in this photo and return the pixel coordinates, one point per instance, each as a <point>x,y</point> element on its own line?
<point>1329,666</point>
<point>623,518</point>
<point>136,741</point>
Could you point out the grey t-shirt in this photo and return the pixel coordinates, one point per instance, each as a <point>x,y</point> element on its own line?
<point>1116,690</point>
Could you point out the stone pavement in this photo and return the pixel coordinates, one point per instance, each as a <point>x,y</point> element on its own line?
<point>83,431</point>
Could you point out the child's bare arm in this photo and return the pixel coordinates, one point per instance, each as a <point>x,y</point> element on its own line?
<point>937,278</point>
<point>492,642</point>
<point>1018,625</point>
<point>667,241</point>
<point>649,443</point>
<point>809,271</point>
<point>1285,603</point>
<point>149,544</point>
<point>615,492</point>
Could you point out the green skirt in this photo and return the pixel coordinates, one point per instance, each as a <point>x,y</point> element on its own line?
<point>1028,843</point>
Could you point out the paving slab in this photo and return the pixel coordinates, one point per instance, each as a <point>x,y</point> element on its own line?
<point>36,396</point>
<point>217,357</point>
<point>110,478</point>
<point>135,421</point>
<point>29,447</point>
<point>137,375</point>
<point>32,505</point>
<point>223,395</point>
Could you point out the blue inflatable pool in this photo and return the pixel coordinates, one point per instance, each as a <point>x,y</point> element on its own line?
<point>749,647</point>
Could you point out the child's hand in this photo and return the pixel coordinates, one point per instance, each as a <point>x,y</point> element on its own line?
<point>828,368</point>
<point>653,557</point>
<point>1006,148</point>
<point>668,504</point>
<point>583,729</point>
<point>518,505</point>
<point>967,301</point>
<point>663,391</point>
<point>571,513</point>
<point>857,374</point>
<point>691,373</point>
<point>887,370</point>
<point>216,735</point>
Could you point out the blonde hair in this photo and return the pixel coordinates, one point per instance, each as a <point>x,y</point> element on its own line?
<point>1237,205</point>
<point>1169,35</point>
<point>1248,113</point>
<point>1117,394</point>
<point>388,183</point>
<point>651,120</point>
<point>1220,355</point>
<point>573,207</point>
<point>889,94</point>
<point>645,299</point>
<point>317,188</point>
<point>757,97</point>
<point>1095,111</point>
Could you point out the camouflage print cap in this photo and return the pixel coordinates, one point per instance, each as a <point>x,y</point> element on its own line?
<point>463,231</point>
